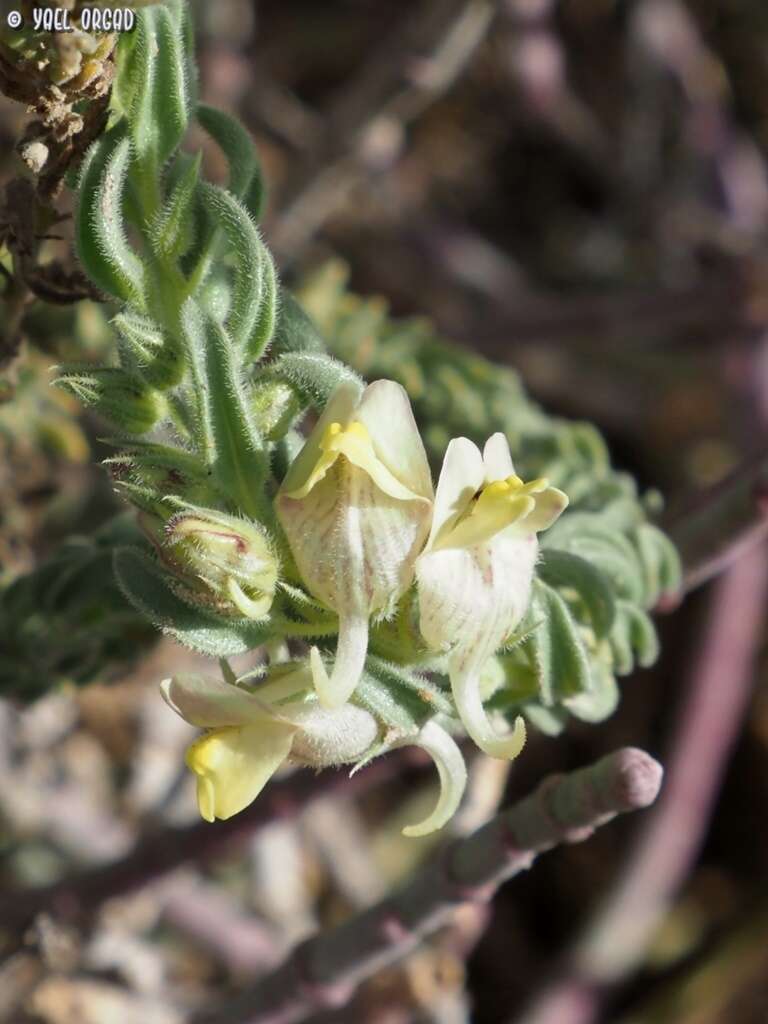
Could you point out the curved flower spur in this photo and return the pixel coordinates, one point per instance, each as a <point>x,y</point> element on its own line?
<point>474,577</point>
<point>356,507</point>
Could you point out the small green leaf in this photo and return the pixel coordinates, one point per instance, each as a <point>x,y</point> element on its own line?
<point>135,85</point>
<point>145,586</point>
<point>562,569</point>
<point>295,331</point>
<point>264,329</point>
<point>633,636</point>
<point>558,651</point>
<point>196,351</point>
<point>239,151</point>
<point>172,231</point>
<point>172,87</point>
<point>242,238</point>
<point>313,375</point>
<point>125,400</point>
<point>147,352</point>
<point>599,702</point>
<point>550,721</point>
<point>430,694</point>
<point>102,246</point>
<point>240,462</point>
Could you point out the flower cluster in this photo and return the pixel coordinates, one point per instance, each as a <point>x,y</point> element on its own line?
<point>365,525</point>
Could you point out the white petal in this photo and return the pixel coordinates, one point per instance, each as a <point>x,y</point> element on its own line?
<point>355,546</point>
<point>209,703</point>
<point>453,777</point>
<point>549,506</point>
<point>496,459</point>
<point>461,477</point>
<point>472,598</point>
<point>386,411</point>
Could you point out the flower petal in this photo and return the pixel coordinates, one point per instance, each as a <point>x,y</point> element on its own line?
<point>549,506</point>
<point>497,459</point>
<point>461,477</point>
<point>385,410</point>
<point>234,764</point>
<point>356,444</point>
<point>471,599</point>
<point>208,702</point>
<point>339,409</point>
<point>453,777</point>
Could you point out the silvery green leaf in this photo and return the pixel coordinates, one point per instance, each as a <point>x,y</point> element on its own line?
<point>562,569</point>
<point>242,238</point>
<point>315,376</point>
<point>558,650</point>
<point>600,701</point>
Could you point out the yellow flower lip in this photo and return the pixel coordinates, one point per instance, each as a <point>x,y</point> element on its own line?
<point>496,506</point>
<point>335,432</point>
<point>354,443</point>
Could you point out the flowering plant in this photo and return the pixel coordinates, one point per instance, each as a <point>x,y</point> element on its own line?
<point>286,509</point>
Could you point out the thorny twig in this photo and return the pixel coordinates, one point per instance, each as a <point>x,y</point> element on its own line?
<point>324,971</point>
<point>709,719</point>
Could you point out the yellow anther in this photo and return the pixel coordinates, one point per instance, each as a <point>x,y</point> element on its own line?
<point>335,435</point>
<point>497,487</point>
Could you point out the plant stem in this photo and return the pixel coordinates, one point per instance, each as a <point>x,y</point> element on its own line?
<point>617,936</point>
<point>324,971</point>
<point>725,522</point>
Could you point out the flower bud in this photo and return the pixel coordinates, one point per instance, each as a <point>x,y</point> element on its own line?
<point>356,506</point>
<point>233,559</point>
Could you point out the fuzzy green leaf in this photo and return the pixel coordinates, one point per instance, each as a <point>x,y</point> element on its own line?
<point>313,375</point>
<point>171,233</point>
<point>242,238</point>
<point>562,569</point>
<point>264,328</point>
<point>146,351</point>
<point>240,153</point>
<point>558,651</point>
<point>600,701</point>
<point>172,100</point>
<point>121,398</point>
<point>295,331</point>
<point>146,587</point>
<point>102,246</point>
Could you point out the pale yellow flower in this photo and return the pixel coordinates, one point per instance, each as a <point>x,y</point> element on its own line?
<point>474,577</point>
<point>356,507</point>
<point>251,733</point>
